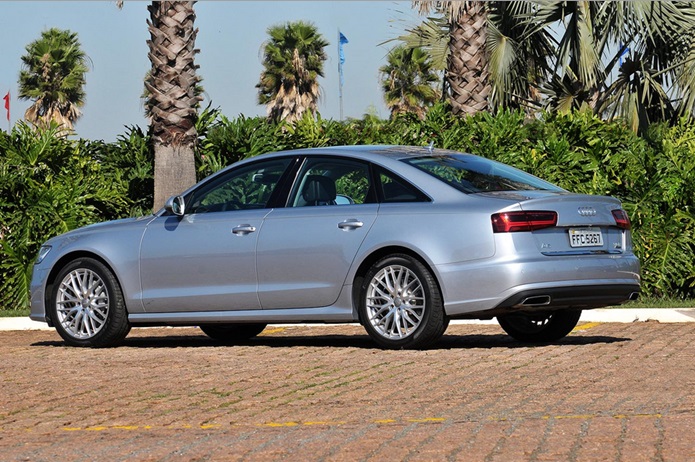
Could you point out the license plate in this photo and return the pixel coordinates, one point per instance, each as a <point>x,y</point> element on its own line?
<point>585,237</point>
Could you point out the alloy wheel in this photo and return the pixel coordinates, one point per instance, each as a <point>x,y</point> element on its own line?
<point>395,302</point>
<point>82,303</point>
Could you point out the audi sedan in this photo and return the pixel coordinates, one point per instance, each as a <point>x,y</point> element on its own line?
<point>399,239</point>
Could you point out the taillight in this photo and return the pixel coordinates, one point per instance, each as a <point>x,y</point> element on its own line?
<point>621,218</point>
<point>514,222</point>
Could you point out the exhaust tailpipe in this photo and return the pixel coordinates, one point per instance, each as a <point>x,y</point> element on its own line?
<point>536,300</point>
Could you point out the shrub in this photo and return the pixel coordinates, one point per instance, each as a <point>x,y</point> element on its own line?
<point>49,185</point>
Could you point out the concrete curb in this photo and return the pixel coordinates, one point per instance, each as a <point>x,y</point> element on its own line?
<point>599,315</point>
<point>639,315</point>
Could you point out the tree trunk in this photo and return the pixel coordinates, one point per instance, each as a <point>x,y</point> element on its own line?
<point>172,98</point>
<point>467,72</point>
<point>173,169</point>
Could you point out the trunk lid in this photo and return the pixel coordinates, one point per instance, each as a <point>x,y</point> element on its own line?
<point>585,224</point>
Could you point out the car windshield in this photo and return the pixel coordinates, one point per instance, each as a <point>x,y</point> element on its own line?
<point>472,174</point>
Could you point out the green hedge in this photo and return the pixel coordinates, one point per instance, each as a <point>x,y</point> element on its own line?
<point>49,185</point>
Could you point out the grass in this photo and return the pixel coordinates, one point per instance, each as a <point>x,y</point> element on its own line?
<point>14,313</point>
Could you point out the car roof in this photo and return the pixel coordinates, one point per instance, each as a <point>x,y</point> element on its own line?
<point>370,151</point>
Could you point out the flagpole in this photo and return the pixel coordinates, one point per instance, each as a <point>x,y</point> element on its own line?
<point>340,76</point>
<point>342,40</point>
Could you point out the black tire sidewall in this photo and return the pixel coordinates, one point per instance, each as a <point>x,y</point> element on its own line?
<point>116,326</point>
<point>433,323</point>
<point>560,325</point>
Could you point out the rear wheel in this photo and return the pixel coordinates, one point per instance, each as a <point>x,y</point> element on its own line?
<point>87,305</point>
<point>232,332</point>
<point>540,327</point>
<point>401,305</point>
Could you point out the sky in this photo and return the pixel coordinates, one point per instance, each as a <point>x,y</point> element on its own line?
<point>230,38</point>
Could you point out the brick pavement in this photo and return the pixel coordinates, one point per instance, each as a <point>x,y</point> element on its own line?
<point>613,392</point>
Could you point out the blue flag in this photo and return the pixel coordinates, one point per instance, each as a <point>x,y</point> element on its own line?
<point>342,40</point>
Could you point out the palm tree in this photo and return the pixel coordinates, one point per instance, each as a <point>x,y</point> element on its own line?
<point>649,45</point>
<point>173,98</point>
<point>407,81</point>
<point>293,60</point>
<point>53,76</point>
<point>467,73</point>
<point>516,52</point>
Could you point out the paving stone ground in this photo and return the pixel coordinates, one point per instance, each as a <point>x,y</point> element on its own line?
<point>608,392</point>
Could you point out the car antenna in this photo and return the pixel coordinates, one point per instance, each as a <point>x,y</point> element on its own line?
<point>431,146</point>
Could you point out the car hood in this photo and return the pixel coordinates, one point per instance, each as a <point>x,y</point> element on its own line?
<point>107,226</point>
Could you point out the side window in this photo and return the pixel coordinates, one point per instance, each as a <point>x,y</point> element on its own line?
<point>325,181</point>
<point>396,189</point>
<point>246,188</point>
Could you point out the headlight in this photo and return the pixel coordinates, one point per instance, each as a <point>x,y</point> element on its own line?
<point>43,251</point>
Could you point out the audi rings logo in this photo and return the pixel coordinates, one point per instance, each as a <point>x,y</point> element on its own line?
<point>587,211</point>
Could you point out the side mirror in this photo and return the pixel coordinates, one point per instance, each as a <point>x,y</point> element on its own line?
<point>175,205</point>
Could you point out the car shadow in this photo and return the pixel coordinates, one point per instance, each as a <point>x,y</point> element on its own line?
<point>447,342</point>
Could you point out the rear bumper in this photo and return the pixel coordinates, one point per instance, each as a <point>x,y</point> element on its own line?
<point>578,297</point>
<point>486,288</point>
<point>571,297</point>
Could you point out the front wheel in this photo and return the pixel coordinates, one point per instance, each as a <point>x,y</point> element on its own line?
<point>401,304</point>
<point>87,305</point>
<point>540,327</point>
<point>232,332</point>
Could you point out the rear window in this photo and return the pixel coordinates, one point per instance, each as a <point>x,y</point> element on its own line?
<point>473,174</point>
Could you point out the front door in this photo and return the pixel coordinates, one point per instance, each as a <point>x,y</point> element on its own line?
<point>206,259</point>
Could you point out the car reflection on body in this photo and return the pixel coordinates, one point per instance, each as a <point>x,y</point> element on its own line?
<point>400,239</point>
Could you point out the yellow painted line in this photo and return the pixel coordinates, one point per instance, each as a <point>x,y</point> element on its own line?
<point>273,331</point>
<point>209,426</point>
<point>427,419</point>
<point>339,422</point>
<point>633,416</point>
<point>279,424</point>
<point>586,326</point>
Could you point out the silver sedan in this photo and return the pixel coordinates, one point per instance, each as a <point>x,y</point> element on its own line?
<point>399,239</point>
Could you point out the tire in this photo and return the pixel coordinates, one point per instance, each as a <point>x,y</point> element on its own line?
<point>542,327</point>
<point>401,304</point>
<point>87,305</point>
<point>232,332</point>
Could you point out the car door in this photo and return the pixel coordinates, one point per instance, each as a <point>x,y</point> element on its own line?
<point>305,249</point>
<point>205,260</point>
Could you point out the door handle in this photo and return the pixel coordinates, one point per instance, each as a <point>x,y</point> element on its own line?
<point>243,230</point>
<point>350,224</point>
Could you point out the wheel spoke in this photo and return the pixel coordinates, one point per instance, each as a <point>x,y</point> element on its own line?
<point>409,314</point>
